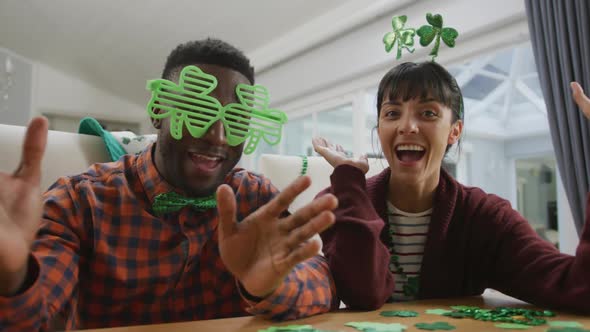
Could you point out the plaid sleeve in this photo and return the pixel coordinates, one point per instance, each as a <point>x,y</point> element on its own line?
<point>53,267</point>
<point>308,290</point>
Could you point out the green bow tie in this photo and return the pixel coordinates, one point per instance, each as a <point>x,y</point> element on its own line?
<point>172,202</point>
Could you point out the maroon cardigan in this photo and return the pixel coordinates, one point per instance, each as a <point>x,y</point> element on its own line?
<point>475,241</point>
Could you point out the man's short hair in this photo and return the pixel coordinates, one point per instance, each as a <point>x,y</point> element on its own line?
<point>208,51</point>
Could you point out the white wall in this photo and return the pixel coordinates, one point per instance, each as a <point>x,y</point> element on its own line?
<point>357,58</point>
<point>55,92</point>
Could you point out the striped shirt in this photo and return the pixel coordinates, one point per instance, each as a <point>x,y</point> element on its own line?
<point>408,236</point>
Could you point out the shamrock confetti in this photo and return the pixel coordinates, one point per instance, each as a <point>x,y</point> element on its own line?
<point>457,314</point>
<point>399,313</point>
<point>298,328</point>
<point>292,328</point>
<point>464,307</point>
<point>377,327</point>
<point>512,326</point>
<point>439,312</point>
<point>435,31</point>
<point>502,315</point>
<point>559,323</point>
<point>435,326</point>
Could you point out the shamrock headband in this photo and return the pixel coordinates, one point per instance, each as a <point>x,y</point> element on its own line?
<point>189,104</point>
<point>404,37</point>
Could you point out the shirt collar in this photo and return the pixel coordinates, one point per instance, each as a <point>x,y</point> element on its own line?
<point>153,183</point>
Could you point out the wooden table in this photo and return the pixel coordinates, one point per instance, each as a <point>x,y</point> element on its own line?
<point>335,321</point>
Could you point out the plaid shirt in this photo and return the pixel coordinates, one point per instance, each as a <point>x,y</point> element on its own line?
<point>102,258</point>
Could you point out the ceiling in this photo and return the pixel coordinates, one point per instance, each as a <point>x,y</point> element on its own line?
<point>118,45</point>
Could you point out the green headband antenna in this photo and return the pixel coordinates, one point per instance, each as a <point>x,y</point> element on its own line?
<point>189,104</point>
<point>404,37</point>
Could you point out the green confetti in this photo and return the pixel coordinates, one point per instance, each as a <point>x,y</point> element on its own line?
<point>463,307</point>
<point>502,315</point>
<point>559,323</point>
<point>512,326</point>
<point>567,329</point>
<point>398,313</point>
<point>377,327</point>
<point>439,312</point>
<point>434,326</point>
<point>456,314</point>
<point>288,328</point>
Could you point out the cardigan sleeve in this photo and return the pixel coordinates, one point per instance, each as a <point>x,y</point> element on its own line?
<point>357,257</point>
<point>532,269</point>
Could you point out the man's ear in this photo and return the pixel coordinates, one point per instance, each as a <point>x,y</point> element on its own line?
<point>455,134</point>
<point>157,123</point>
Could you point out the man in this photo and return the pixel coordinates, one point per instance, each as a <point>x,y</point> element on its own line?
<point>103,257</point>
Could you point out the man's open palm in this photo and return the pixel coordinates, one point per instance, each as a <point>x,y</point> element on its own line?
<point>20,203</point>
<point>263,248</point>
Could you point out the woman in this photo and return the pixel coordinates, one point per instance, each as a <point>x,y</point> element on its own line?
<point>414,232</point>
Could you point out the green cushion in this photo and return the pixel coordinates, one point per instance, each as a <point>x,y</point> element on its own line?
<point>90,126</point>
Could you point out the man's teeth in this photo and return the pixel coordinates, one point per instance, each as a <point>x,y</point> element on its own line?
<point>209,158</point>
<point>410,147</point>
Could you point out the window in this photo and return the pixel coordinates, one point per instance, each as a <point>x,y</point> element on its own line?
<point>537,194</point>
<point>336,126</point>
<point>298,135</point>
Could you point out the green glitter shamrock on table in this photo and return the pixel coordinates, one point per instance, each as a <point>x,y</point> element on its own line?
<point>502,315</point>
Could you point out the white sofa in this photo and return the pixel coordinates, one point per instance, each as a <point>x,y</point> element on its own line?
<point>282,170</point>
<point>66,153</point>
<point>69,154</point>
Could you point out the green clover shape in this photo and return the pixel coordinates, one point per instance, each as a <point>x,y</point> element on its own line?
<point>435,31</point>
<point>404,37</point>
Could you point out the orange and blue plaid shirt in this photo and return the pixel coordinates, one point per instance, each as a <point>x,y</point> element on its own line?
<point>102,258</point>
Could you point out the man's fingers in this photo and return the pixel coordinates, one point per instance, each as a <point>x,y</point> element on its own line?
<point>303,233</point>
<point>226,208</point>
<point>306,213</point>
<point>302,253</point>
<point>580,98</point>
<point>34,145</point>
<point>282,201</point>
